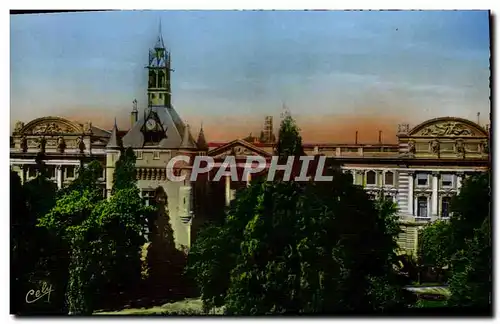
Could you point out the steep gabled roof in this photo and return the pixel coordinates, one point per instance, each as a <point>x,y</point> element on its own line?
<point>171,123</point>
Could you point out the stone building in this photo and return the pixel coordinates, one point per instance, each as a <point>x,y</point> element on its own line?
<point>66,145</point>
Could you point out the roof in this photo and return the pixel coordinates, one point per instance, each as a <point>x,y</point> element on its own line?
<point>170,122</point>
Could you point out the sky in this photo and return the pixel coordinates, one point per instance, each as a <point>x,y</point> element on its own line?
<point>336,71</point>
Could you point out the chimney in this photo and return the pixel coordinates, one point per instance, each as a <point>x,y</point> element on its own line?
<point>478,114</point>
<point>356,140</point>
<point>380,137</point>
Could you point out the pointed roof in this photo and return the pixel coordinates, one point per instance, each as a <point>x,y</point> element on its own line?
<point>202,142</point>
<point>159,40</point>
<point>187,139</point>
<point>113,140</point>
<point>171,123</point>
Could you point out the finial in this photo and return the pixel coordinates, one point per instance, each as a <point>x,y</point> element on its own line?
<point>134,105</point>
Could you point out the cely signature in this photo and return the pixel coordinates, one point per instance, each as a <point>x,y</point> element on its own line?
<point>34,295</point>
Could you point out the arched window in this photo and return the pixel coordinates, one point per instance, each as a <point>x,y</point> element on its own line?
<point>389,178</point>
<point>161,79</point>
<point>371,178</point>
<point>152,79</point>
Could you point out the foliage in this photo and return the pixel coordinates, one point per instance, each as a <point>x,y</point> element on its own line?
<point>101,239</point>
<point>29,244</point>
<point>464,244</point>
<point>125,172</point>
<point>289,247</point>
<point>471,282</point>
<point>289,140</point>
<point>435,244</point>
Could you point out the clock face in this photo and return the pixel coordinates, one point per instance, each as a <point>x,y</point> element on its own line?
<point>150,124</point>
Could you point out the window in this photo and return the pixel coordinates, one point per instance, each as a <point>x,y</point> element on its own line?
<point>422,206</point>
<point>31,171</point>
<point>51,171</point>
<point>389,178</point>
<point>161,95</point>
<point>371,178</point>
<point>139,155</point>
<point>445,206</point>
<point>422,179</point>
<point>153,96</point>
<point>70,171</point>
<point>156,155</point>
<point>446,180</point>
<point>149,197</point>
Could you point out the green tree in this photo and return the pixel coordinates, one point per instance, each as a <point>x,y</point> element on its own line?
<point>125,172</point>
<point>66,223</point>
<point>30,246</point>
<point>435,248</point>
<point>470,282</point>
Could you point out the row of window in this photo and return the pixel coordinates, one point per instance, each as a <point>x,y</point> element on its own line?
<point>422,179</point>
<point>156,155</point>
<point>371,178</point>
<point>423,206</point>
<point>68,171</point>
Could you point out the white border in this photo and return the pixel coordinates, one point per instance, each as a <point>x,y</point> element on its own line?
<point>186,4</point>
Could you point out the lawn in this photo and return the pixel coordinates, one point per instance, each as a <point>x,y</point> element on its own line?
<point>184,307</point>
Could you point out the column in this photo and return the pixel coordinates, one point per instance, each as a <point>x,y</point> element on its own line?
<point>459,181</point>
<point>410,193</point>
<point>227,189</point>
<point>59,176</point>
<point>24,170</point>
<point>249,178</point>
<point>434,201</point>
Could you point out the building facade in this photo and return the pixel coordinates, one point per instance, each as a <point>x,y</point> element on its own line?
<point>420,173</point>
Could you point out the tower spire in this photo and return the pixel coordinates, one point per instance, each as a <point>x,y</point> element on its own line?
<point>159,41</point>
<point>114,142</point>
<point>202,142</point>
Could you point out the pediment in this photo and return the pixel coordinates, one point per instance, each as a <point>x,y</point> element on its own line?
<point>238,148</point>
<point>51,126</point>
<point>448,127</point>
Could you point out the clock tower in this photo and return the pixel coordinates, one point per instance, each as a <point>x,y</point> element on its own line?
<point>159,90</point>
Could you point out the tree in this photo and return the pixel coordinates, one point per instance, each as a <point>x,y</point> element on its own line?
<point>102,238</point>
<point>291,247</point>
<point>471,282</point>
<point>435,248</point>
<point>125,172</point>
<point>63,222</point>
<point>29,244</point>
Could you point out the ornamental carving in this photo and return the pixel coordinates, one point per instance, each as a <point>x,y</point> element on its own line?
<point>50,128</point>
<point>403,128</point>
<point>435,146</point>
<point>87,127</point>
<point>19,125</point>
<point>61,145</point>
<point>485,148</point>
<point>411,147</point>
<point>41,145</point>
<point>80,144</point>
<point>447,129</point>
<point>460,148</point>
<point>24,144</point>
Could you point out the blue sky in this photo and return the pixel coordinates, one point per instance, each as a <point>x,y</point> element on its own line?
<point>413,64</point>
